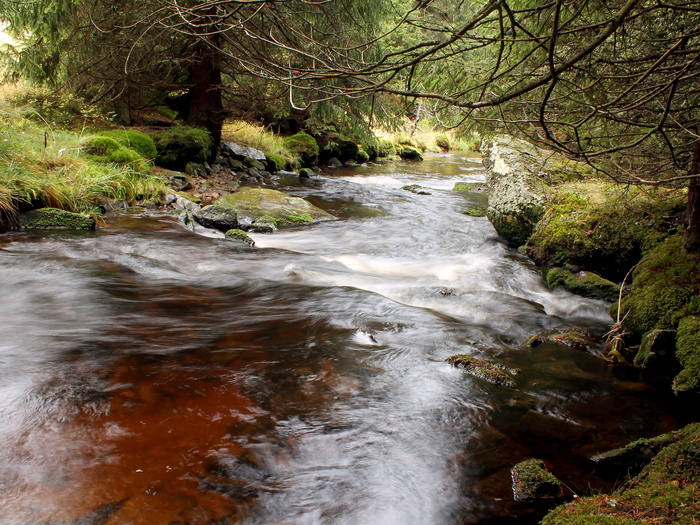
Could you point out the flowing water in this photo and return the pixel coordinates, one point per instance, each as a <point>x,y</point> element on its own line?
<point>150,374</point>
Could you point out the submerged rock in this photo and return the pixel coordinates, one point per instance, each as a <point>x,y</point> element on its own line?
<point>240,236</point>
<point>417,189</point>
<point>493,373</point>
<point>55,219</point>
<point>575,337</point>
<point>532,482</point>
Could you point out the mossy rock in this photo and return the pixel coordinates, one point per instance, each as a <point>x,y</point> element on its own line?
<point>688,355</point>
<point>55,219</point>
<point>658,351</point>
<point>303,146</point>
<point>277,162</point>
<point>443,142</point>
<point>533,482</point>
<point>410,153</point>
<point>362,155</point>
<point>490,372</point>
<point>217,217</point>
<point>251,205</point>
<point>664,289</point>
<point>574,337</point>
<point>107,150</point>
<point>239,236</point>
<point>136,140</point>
<point>386,148</point>
<point>632,458</point>
<point>180,145</point>
<point>253,163</point>
<point>601,227</point>
<point>417,189</point>
<point>586,284</point>
<point>666,491</point>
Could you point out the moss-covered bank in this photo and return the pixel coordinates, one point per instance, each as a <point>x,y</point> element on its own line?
<point>665,295</point>
<point>666,491</point>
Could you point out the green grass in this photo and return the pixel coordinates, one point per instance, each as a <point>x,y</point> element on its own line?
<point>43,165</point>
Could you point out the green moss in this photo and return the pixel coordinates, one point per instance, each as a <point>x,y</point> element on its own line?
<point>180,145</point>
<point>303,146</point>
<point>139,142</point>
<point>587,284</point>
<point>239,235</point>
<point>362,155</point>
<point>108,151</point>
<point>410,153</point>
<point>601,228</point>
<point>386,148</point>
<point>688,354</point>
<point>277,162</point>
<point>665,288</point>
<point>469,186</point>
<point>56,219</point>
<point>531,481</point>
<point>666,491</point>
<point>443,142</point>
<point>479,211</point>
<point>302,218</point>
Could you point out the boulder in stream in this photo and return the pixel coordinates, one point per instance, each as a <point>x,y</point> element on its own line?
<point>532,482</point>
<point>249,207</point>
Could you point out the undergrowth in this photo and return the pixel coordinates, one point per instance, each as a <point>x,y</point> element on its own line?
<point>42,164</point>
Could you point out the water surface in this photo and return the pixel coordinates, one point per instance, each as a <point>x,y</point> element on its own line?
<point>154,375</point>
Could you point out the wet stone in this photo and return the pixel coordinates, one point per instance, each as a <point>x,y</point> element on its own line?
<point>491,372</point>
<point>574,337</point>
<point>532,482</point>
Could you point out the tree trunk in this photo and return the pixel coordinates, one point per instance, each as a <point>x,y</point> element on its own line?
<point>205,106</point>
<point>691,242</point>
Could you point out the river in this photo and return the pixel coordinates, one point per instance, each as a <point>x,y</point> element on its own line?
<point>150,374</point>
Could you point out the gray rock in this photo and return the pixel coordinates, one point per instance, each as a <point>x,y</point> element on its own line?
<point>186,204</point>
<point>517,195</point>
<point>333,162</point>
<point>196,169</point>
<point>305,173</point>
<point>233,149</point>
<point>235,165</point>
<point>217,217</point>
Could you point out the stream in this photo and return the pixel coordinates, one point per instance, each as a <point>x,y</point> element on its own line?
<point>150,374</point>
